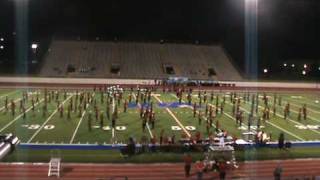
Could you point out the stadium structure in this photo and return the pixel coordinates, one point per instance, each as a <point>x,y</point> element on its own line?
<point>88,100</point>
<point>127,60</point>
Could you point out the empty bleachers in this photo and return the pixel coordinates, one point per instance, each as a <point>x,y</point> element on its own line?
<point>136,60</point>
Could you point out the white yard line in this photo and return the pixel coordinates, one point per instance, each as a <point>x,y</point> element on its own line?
<point>293,104</point>
<point>151,135</point>
<point>13,101</point>
<point>174,117</point>
<point>288,132</point>
<point>76,130</point>
<point>287,99</point>
<point>82,116</point>
<point>149,130</point>
<point>52,114</point>
<point>309,109</point>
<point>206,119</point>
<point>229,116</point>
<point>294,135</point>
<point>2,108</point>
<point>308,116</point>
<point>8,94</point>
<point>295,122</point>
<point>274,125</point>
<point>113,130</point>
<point>113,105</point>
<point>113,133</point>
<point>15,119</point>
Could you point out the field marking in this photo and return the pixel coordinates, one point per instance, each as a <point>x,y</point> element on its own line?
<point>197,112</point>
<point>8,94</point>
<point>113,130</point>
<point>2,108</point>
<point>309,109</point>
<point>309,116</point>
<point>296,136</point>
<point>15,101</point>
<point>151,135</point>
<point>295,122</point>
<point>175,118</point>
<point>274,125</point>
<point>19,116</point>
<point>295,101</point>
<point>230,117</point>
<point>149,130</point>
<point>48,119</point>
<point>296,105</point>
<point>240,108</point>
<point>82,116</point>
<point>288,132</point>
<point>113,133</point>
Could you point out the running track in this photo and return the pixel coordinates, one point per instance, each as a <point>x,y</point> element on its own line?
<point>292,169</point>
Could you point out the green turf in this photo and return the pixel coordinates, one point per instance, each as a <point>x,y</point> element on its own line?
<point>113,156</point>
<point>65,130</point>
<point>75,130</point>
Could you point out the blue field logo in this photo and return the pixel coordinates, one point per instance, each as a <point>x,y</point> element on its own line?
<point>176,105</point>
<point>134,105</point>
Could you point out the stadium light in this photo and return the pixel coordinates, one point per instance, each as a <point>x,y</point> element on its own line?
<point>304,72</point>
<point>285,64</point>
<point>1,47</point>
<point>319,68</point>
<point>34,46</point>
<point>265,70</point>
<point>1,39</point>
<point>293,65</point>
<point>305,66</point>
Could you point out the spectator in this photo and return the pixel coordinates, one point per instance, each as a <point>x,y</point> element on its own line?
<point>173,138</point>
<point>131,146</point>
<point>153,144</point>
<point>187,164</point>
<point>222,170</point>
<point>281,141</point>
<point>277,172</point>
<point>200,168</point>
<point>144,143</point>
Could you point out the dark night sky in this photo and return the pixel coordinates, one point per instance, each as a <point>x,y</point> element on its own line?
<point>288,29</point>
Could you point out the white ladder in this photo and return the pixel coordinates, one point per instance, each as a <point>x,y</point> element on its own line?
<point>54,167</point>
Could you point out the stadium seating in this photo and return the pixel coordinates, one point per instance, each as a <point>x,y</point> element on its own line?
<point>136,60</point>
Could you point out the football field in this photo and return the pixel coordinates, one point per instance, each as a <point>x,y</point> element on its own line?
<point>172,118</point>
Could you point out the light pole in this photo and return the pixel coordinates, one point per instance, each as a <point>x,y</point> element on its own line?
<point>21,28</point>
<point>251,38</point>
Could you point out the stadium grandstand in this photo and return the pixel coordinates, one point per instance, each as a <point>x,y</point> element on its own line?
<point>137,61</point>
